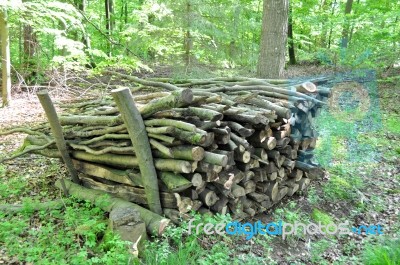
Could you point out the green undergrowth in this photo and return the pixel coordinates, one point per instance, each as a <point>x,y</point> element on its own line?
<point>71,235</point>
<point>322,217</point>
<point>177,246</point>
<point>384,252</point>
<point>343,184</point>
<point>392,123</point>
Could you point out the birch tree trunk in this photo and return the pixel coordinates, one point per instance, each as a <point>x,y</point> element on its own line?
<point>273,38</point>
<point>5,62</point>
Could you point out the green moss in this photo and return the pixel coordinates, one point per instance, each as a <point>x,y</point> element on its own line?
<point>320,216</point>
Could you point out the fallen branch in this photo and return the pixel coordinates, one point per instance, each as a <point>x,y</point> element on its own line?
<point>31,207</point>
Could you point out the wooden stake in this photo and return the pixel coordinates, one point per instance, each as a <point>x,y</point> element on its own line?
<point>56,129</point>
<point>137,132</point>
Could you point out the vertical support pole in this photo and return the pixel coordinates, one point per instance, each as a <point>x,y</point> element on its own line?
<point>140,141</point>
<point>56,129</point>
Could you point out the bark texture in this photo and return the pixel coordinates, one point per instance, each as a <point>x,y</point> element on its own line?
<point>5,56</point>
<point>273,38</point>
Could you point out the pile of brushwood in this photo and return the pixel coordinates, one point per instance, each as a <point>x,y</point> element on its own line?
<point>221,145</point>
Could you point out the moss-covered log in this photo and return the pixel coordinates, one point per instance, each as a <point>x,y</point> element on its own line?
<point>128,162</point>
<point>174,182</point>
<point>155,224</point>
<point>168,122</point>
<point>192,153</point>
<point>31,207</point>
<point>176,99</point>
<point>129,177</point>
<point>215,159</point>
<point>202,113</point>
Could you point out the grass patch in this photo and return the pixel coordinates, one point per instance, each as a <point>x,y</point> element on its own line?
<point>343,183</point>
<point>318,249</point>
<point>379,141</point>
<point>313,196</point>
<point>12,187</point>
<point>392,124</point>
<point>290,213</point>
<point>320,216</point>
<point>338,189</point>
<point>386,252</point>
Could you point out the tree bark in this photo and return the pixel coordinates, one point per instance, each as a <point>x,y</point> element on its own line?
<point>175,100</point>
<point>5,56</point>
<point>273,38</point>
<point>30,52</point>
<point>29,207</point>
<point>81,5</point>
<point>331,27</point>
<point>129,177</point>
<point>137,132</point>
<point>292,55</point>
<point>175,182</point>
<point>109,12</point>
<point>56,129</point>
<point>188,42</point>
<point>346,26</point>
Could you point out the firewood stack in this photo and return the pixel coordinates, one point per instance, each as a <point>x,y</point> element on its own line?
<point>224,145</point>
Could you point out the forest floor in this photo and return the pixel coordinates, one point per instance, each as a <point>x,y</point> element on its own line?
<point>361,186</point>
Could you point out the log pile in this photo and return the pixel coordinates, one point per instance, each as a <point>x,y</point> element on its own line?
<point>223,145</point>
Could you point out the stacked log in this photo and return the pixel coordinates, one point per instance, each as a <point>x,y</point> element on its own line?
<point>224,145</point>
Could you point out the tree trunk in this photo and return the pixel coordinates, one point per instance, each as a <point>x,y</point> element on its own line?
<point>273,38</point>
<point>109,10</point>
<point>352,26</point>
<point>234,33</point>
<point>346,26</point>
<point>322,40</point>
<point>5,62</point>
<point>81,5</point>
<point>331,27</point>
<point>188,42</point>
<point>292,55</point>
<point>30,52</point>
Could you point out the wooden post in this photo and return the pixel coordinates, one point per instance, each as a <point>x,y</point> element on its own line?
<point>56,129</point>
<point>140,142</point>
